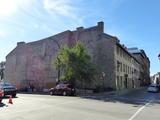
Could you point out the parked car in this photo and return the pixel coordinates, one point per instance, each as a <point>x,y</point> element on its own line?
<point>153,88</point>
<point>1,95</point>
<point>8,89</point>
<point>63,89</point>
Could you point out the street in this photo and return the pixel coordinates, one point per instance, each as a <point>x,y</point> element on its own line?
<point>138,105</point>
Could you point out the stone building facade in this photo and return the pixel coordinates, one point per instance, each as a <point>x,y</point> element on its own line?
<point>144,61</point>
<point>31,64</point>
<point>128,69</point>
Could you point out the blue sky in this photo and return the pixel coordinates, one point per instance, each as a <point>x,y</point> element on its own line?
<point>134,22</point>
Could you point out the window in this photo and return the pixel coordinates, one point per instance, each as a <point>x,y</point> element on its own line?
<point>123,54</point>
<point>121,79</point>
<point>126,82</point>
<point>118,82</point>
<point>133,86</point>
<point>118,65</point>
<point>117,78</point>
<point>123,67</point>
<point>120,52</point>
<point>126,69</point>
<point>117,50</point>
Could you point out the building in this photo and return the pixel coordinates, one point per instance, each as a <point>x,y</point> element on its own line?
<point>155,79</point>
<point>144,61</point>
<point>31,64</point>
<point>128,69</point>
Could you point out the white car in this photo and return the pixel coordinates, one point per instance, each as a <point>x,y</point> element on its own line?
<point>153,88</point>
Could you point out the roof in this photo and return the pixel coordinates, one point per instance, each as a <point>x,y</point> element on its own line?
<point>130,54</point>
<point>135,50</point>
<point>99,27</point>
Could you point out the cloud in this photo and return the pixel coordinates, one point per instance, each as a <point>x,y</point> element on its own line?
<point>26,16</point>
<point>10,7</point>
<point>35,10</point>
<point>60,7</point>
<point>3,33</point>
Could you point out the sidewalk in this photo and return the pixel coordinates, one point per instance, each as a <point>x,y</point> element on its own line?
<point>115,93</point>
<point>34,93</point>
<point>101,94</point>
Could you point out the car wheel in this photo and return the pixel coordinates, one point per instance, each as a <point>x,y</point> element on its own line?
<point>64,93</point>
<point>51,92</point>
<point>74,94</point>
<point>14,95</point>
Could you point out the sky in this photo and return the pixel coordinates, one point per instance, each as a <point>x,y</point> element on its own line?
<point>135,22</point>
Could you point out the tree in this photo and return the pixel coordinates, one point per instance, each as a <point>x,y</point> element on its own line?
<point>2,67</point>
<point>76,64</point>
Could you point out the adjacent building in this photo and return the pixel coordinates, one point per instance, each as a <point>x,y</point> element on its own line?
<point>144,61</point>
<point>128,69</point>
<point>31,64</point>
<point>155,79</point>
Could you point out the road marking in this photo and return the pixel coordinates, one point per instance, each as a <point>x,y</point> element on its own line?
<point>139,110</point>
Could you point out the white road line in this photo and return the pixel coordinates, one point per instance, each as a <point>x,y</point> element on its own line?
<point>139,110</point>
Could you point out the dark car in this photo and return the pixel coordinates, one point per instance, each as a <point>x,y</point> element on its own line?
<point>8,89</point>
<point>63,89</point>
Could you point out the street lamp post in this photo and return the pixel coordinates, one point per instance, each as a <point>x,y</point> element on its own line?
<point>159,56</point>
<point>103,76</point>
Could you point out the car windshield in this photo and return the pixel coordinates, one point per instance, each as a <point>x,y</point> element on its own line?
<point>5,84</point>
<point>153,86</point>
<point>60,86</point>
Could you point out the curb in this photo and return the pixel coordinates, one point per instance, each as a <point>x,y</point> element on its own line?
<point>115,93</point>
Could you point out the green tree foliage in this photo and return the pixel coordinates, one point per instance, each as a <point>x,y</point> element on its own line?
<point>76,64</point>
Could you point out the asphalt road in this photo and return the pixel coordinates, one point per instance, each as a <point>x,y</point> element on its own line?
<point>134,106</point>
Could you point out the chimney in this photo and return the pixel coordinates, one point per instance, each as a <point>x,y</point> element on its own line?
<point>20,43</point>
<point>79,29</point>
<point>101,26</point>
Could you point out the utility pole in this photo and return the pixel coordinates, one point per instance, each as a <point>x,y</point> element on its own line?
<point>159,56</point>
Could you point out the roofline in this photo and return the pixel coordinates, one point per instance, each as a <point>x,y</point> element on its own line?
<point>142,52</point>
<point>142,56</point>
<point>130,54</point>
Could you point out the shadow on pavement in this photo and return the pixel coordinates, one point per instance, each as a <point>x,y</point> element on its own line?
<point>117,99</point>
<point>137,97</point>
<point>3,105</point>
